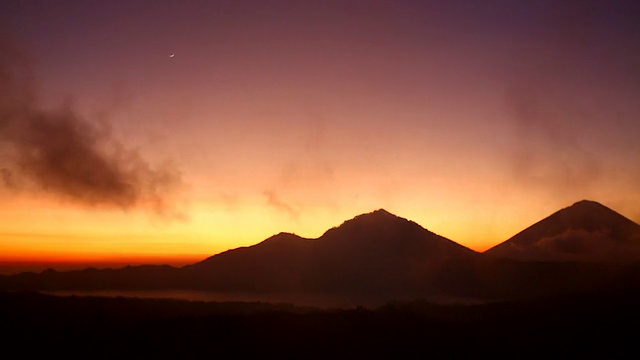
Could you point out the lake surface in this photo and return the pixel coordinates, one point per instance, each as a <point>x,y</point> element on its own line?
<point>312,300</point>
<point>321,301</point>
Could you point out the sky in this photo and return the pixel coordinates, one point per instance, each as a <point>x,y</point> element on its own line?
<point>168,131</point>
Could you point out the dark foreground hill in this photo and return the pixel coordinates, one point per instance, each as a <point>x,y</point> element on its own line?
<point>585,232</point>
<point>596,324</point>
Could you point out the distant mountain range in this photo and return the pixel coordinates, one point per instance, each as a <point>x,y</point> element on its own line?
<point>379,255</point>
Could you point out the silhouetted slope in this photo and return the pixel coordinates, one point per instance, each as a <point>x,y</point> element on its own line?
<point>275,264</point>
<point>372,253</point>
<point>585,231</point>
<point>378,256</point>
<point>380,251</point>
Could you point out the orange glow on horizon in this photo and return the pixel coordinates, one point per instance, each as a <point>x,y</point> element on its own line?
<point>65,234</point>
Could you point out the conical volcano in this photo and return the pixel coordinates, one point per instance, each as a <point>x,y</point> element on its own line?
<point>586,231</point>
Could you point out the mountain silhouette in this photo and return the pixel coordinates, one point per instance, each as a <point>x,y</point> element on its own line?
<point>586,231</point>
<point>378,256</point>
<point>376,253</point>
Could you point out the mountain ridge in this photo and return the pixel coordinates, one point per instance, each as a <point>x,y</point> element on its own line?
<point>372,252</point>
<point>381,256</point>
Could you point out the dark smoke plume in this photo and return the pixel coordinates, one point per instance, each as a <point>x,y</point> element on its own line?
<point>65,155</point>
